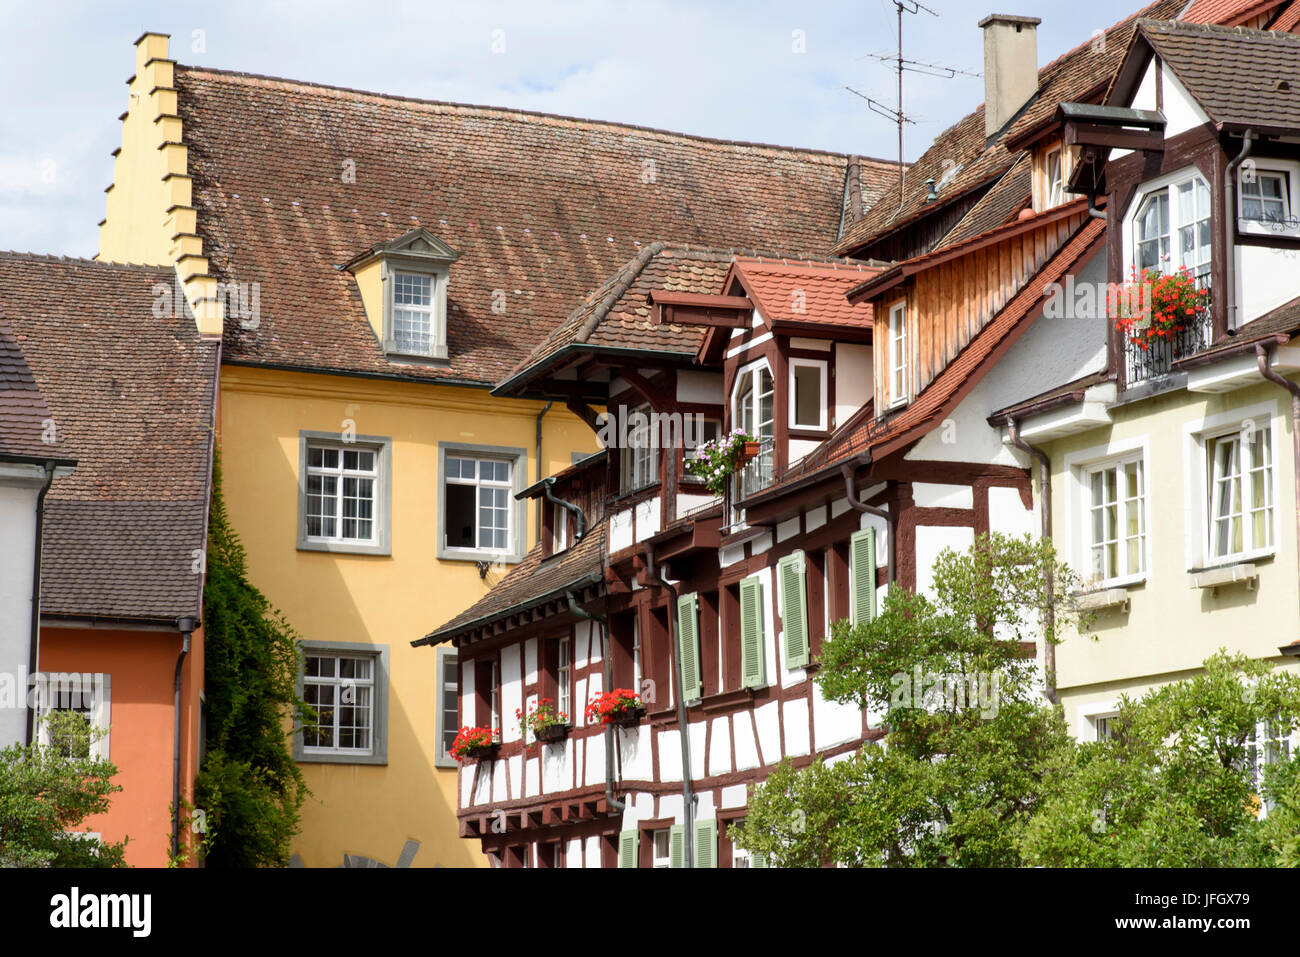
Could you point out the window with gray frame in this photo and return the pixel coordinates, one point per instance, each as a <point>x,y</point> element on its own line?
<point>347,685</point>
<point>344,492</point>
<point>479,517</point>
<point>448,706</point>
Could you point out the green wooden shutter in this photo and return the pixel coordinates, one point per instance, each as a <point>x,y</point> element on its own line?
<point>758,860</point>
<point>688,638</point>
<point>751,633</point>
<point>627,848</point>
<point>706,843</point>
<point>677,845</point>
<point>794,609</point>
<point>862,575</point>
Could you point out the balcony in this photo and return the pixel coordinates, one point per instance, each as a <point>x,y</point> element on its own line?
<point>1156,358</point>
<point>754,476</point>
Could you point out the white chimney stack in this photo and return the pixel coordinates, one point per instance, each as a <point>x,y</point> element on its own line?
<point>1010,67</point>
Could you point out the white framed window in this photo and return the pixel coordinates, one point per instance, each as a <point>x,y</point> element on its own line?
<point>807,394</point>
<point>1103,726</point>
<point>1240,493</point>
<point>559,528</point>
<point>1096,720</point>
<point>898,354</point>
<point>1117,520</point>
<point>85,694</point>
<point>638,458</point>
<point>1171,225</point>
<point>563,678</point>
<point>662,848</point>
<point>1266,197</point>
<point>1269,743</point>
<point>1054,176</point>
<point>413,312</point>
<point>478,514</point>
<point>347,685</point>
<point>448,706</point>
<point>343,492</point>
<point>753,410</point>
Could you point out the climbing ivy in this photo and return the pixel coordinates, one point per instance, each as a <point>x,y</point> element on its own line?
<point>248,786</point>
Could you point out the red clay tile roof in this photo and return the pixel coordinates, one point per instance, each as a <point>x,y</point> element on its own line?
<point>1228,11</point>
<point>805,291</point>
<point>131,397</point>
<point>617,314</point>
<point>542,209</point>
<point>1239,77</point>
<point>531,582</point>
<point>23,412</point>
<point>865,433</point>
<point>1288,19</point>
<point>960,160</point>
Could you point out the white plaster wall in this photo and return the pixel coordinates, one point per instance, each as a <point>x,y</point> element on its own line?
<point>814,518</point>
<point>466,786</point>
<point>699,737</point>
<point>797,738</point>
<point>1265,279</point>
<point>746,747</point>
<point>1181,111</point>
<point>670,806</point>
<point>595,748</point>
<point>1008,515</point>
<point>467,697</point>
<point>573,853</point>
<point>694,386</point>
<point>720,746</point>
<point>634,745</point>
<point>834,723</point>
<point>620,530</point>
<point>798,448</point>
<point>768,722</point>
<point>854,379</point>
<point>737,795</point>
<point>787,529</point>
<point>933,495</point>
<point>670,755</point>
<point>593,852</point>
<point>511,691</point>
<point>579,706</point>
<point>17,549</point>
<point>532,774</point>
<point>930,541</point>
<point>1050,352</point>
<point>530,661</point>
<point>556,764</point>
<point>687,502</point>
<point>647,519</point>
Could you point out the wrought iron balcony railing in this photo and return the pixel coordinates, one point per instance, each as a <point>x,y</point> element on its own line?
<point>1156,357</point>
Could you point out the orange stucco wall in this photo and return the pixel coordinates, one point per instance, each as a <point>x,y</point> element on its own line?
<point>143,666</point>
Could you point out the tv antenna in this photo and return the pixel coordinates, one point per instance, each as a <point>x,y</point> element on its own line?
<point>904,65</point>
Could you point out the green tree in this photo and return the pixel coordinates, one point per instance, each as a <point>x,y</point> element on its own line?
<point>1175,785</point>
<point>249,787</point>
<point>970,737</point>
<point>46,791</point>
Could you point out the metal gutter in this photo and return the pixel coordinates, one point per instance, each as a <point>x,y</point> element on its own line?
<point>33,648</point>
<point>607,670</point>
<point>890,520</point>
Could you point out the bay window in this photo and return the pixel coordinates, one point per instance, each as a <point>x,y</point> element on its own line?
<point>1172,229</point>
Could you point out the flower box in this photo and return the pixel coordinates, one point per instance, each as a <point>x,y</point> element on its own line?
<point>482,752</point>
<point>748,451</point>
<point>552,732</point>
<point>628,717</point>
<point>715,462</point>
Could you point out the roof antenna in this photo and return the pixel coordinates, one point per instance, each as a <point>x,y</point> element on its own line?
<point>902,64</point>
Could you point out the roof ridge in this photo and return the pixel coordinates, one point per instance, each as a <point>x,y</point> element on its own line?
<point>625,277</point>
<point>17,254</point>
<point>506,110</point>
<point>1217,28</point>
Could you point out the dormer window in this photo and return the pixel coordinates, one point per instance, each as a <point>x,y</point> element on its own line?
<point>1055,178</point>
<point>1171,226</point>
<point>403,284</point>
<point>1051,170</point>
<point>898,355</point>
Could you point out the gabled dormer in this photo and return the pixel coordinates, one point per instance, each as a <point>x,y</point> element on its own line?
<point>403,285</point>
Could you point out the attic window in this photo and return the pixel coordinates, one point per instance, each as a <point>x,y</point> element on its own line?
<point>413,272</point>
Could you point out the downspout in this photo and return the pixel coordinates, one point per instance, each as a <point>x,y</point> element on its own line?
<point>688,797</point>
<point>546,408</point>
<point>575,509</point>
<point>33,649</point>
<point>1049,573</point>
<point>1229,231</point>
<point>1261,356</point>
<point>847,471</point>
<point>186,627</point>
<point>1093,211</point>
<point>607,670</point>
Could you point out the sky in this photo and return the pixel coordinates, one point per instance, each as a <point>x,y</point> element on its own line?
<point>767,72</point>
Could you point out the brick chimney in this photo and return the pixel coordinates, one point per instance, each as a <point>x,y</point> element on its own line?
<point>1010,67</point>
